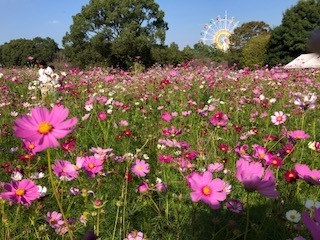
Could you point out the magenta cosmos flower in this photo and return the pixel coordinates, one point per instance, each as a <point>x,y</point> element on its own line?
<point>205,189</point>
<point>140,168</point>
<point>313,225</point>
<point>23,191</point>
<point>219,119</point>
<point>254,177</point>
<point>305,173</point>
<point>44,126</point>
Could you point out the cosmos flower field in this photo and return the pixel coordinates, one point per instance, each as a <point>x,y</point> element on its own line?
<point>185,152</point>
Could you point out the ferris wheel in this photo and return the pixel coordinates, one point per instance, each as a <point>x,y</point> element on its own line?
<point>218,32</point>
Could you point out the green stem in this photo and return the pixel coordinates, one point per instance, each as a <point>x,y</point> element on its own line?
<point>248,211</point>
<point>17,215</point>
<point>56,195</point>
<point>98,222</point>
<point>116,222</point>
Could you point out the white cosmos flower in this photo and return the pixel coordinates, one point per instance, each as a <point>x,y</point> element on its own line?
<point>293,216</point>
<point>310,204</point>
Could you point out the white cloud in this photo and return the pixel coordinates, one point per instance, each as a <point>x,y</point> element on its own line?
<point>54,22</point>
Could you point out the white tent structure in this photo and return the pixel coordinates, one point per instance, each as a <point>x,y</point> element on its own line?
<point>309,60</point>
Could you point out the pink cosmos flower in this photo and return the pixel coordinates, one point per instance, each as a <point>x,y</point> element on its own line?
<point>254,177</point>
<point>313,225</point>
<point>310,176</point>
<point>143,187</point>
<point>219,119</point>
<point>166,116</point>
<point>298,134</point>
<point>23,191</point>
<point>205,189</point>
<point>140,168</point>
<point>92,166</point>
<point>65,170</point>
<point>54,219</point>
<point>102,116</point>
<point>278,118</point>
<point>260,153</point>
<point>44,127</point>
<point>31,147</point>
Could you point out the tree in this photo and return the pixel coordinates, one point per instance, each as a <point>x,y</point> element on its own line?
<point>16,52</point>
<point>247,31</point>
<point>254,52</point>
<point>114,32</point>
<point>289,40</point>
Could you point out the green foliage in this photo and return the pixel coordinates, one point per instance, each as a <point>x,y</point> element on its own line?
<point>241,36</point>
<point>16,52</point>
<point>168,55</point>
<point>246,32</point>
<point>254,51</point>
<point>209,53</point>
<point>115,32</point>
<point>289,40</point>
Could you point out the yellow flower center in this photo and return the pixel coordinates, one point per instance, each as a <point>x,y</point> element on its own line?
<point>279,119</point>
<point>292,217</point>
<point>31,146</point>
<point>206,190</point>
<point>291,175</point>
<point>20,192</point>
<point>139,168</point>
<point>90,165</point>
<point>262,155</point>
<point>45,127</point>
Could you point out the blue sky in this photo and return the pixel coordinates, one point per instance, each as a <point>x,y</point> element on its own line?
<point>186,18</point>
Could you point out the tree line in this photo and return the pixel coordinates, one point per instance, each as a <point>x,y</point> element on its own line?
<point>121,33</point>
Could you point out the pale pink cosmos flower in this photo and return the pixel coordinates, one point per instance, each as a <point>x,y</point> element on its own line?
<point>205,189</point>
<point>305,173</point>
<point>65,170</point>
<point>215,167</point>
<point>278,118</point>
<point>101,153</point>
<point>134,235</point>
<point>24,191</point>
<point>140,168</point>
<point>44,126</point>
<point>54,219</point>
<point>123,123</point>
<point>253,176</point>
<point>313,225</point>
